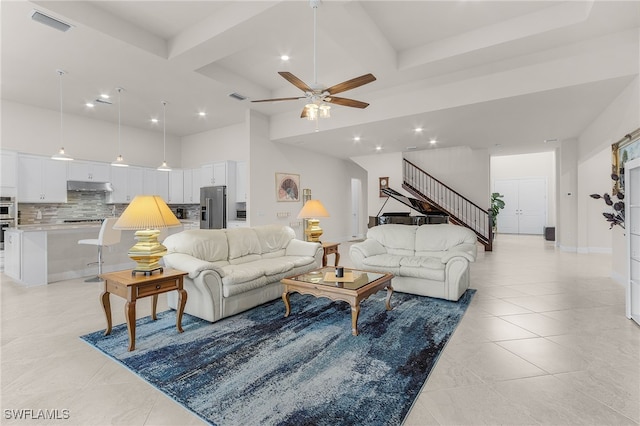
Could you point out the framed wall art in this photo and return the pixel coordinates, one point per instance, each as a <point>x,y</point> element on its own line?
<point>287,187</point>
<point>384,184</point>
<point>626,149</point>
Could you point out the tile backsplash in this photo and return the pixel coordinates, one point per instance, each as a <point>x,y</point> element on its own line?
<point>80,205</point>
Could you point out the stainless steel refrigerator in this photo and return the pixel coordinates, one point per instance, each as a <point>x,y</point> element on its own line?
<point>213,207</point>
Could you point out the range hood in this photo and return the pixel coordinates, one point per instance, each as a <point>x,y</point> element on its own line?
<point>82,186</point>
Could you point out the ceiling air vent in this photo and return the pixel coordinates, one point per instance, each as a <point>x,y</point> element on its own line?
<point>49,21</point>
<point>237,96</point>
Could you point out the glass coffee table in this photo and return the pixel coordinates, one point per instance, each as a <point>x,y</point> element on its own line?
<point>353,288</point>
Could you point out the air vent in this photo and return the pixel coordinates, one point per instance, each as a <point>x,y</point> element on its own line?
<point>104,101</point>
<point>237,96</point>
<point>49,21</point>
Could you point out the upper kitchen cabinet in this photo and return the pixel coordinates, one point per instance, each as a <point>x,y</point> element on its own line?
<point>220,173</point>
<point>156,182</point>
<point>8,173</point>
<point>41,180</point>
<point>127,183</point>
<point>191,186</point>
<point>89,171</point>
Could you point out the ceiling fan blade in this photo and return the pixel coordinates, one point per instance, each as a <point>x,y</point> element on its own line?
<point>279,99</point>
<point>345,102</point>
<point>295,81</point>
<point>304,113</point>
<point>351,84</point>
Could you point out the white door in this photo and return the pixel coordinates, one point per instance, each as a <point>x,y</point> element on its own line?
<point>525,209</point>
<point>632,225</point>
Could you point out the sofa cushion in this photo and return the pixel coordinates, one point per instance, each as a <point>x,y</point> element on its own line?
<point>441,237</point>
<point>242,242</point>
<point>422,267</point>
<point>204,244</point>
<point>397,239</point>
<point>273,238</point>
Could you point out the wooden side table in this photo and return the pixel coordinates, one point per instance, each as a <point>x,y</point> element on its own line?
<point>132,288</point>
<point>330,248</point>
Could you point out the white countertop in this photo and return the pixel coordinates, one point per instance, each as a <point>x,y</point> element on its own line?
<point>56,227</point>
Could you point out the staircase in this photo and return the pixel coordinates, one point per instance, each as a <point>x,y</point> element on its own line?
<point>461,211</point>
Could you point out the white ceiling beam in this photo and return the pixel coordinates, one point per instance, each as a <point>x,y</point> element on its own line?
<point>83,13</point>
<point>548,19</point>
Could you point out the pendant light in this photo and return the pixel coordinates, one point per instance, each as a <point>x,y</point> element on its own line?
<point>164,167</point>
<point>61,154</point>
<point>119,161</point>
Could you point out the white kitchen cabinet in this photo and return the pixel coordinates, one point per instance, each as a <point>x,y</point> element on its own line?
<point>12,254</point>
<point>241,182</point>
<point>176,187</point>
<point>26,256</point>
<point>237,224</point>
<point>156,182</point>
<point>191,186</point>
<point>632,227</point>
<point>127,183</point>
<point>89,171</point>
<point>9,173</point>
<point>217,174</point>
<point>41,180</point>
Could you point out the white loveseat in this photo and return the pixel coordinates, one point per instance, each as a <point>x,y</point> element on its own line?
<point>232,270</point>
<point>428,260</point>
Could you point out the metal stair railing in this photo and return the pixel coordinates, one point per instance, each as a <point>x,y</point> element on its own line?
<point>461,210</point>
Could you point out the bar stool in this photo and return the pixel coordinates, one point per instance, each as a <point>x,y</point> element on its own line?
<point>107,237</point>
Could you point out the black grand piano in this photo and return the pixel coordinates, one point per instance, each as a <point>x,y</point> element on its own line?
<point>428,213</point>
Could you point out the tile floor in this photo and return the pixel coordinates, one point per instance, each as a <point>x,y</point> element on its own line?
<point>545,341</point>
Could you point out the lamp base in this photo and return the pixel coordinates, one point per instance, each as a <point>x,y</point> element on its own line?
<point>147,252</point>
<point>313,231</point>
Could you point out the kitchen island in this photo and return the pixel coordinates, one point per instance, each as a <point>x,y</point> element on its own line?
<point>42,254</point>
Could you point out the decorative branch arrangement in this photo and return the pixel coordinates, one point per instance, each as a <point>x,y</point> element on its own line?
<point>617,217</point>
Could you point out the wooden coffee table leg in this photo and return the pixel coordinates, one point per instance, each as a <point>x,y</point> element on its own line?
<point>355,312</point>
<point>389,293</point>
<point>130,314</point>
<point>182,301</point>
<point>106,304</point>
<point>285,299</point>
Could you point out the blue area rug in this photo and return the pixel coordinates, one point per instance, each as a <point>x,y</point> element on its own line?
<point>259,368</point>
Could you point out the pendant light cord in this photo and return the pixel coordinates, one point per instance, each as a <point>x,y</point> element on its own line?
<point>315,47</point>
<point>119,130</point>
<point>60,73</point>
<point>164,131</point>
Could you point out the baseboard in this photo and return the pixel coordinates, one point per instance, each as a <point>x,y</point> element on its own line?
<point>595,250</point>
<point>569,249</point>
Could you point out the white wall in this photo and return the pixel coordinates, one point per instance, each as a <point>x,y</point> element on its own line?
<point>377,166</point>
<point>619,118</point>
<point>538,165</point>
<point>227,143</point>
<point>328,178</point>
<point>35,130</point>
<point>463,169</point>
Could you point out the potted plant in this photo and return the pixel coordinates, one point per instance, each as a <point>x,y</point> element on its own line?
<point>496,205</point>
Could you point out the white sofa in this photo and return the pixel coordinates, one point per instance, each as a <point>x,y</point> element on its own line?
<point>428,260</point>
<point>232,270</point>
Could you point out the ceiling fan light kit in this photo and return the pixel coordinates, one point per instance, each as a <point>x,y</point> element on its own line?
<point>318,98</point>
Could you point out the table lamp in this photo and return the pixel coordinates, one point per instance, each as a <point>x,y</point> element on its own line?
<point>311,210</point>
<point>145,214</point>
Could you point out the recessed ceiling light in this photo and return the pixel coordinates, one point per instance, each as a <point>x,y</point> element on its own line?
<point>356,138</point>
<point>418,130</point>
<point>89,104</point>
<point>104,96</point>
<point>433,141</point>
<point>154,120</point>
<point>378,148</point>
<point>202,113</point>
<point>284,57</point>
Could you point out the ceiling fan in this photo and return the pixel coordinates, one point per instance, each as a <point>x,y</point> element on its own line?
<point>318,97</point>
